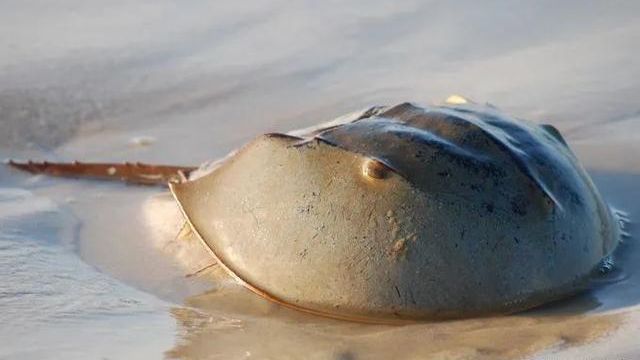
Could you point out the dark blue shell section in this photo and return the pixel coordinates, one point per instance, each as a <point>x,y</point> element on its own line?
<point>469,149</point>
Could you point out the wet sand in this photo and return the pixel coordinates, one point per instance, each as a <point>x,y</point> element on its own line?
<point>88,271</point>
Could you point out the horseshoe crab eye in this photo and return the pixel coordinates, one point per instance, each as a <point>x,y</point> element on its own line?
<point>374,169</point>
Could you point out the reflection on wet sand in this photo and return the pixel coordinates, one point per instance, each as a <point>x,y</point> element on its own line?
<point>232,323</point>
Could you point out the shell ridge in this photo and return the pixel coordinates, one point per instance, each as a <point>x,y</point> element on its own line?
<point>508,144</point>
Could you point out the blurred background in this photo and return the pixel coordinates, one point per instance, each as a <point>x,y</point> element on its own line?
<point>77,67</point>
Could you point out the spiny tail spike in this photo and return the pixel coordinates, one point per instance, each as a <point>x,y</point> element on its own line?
<point>138,173</point>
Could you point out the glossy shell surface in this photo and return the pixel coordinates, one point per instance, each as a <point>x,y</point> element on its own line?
<point>405,212</point>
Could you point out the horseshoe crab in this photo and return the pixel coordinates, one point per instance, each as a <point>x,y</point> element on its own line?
<point>400,212</point>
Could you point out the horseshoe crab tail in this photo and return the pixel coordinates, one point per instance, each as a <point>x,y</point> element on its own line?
<point>132,173</point>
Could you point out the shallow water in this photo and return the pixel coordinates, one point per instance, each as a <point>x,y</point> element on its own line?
<point>54,304</point>
<point>83,276</point>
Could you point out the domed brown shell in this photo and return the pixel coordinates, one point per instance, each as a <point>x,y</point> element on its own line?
<point>405,212</point>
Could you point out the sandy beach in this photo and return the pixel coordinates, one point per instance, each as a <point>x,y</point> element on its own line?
<point>92,270</point>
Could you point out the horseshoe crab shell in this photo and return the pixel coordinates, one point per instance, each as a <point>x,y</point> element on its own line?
<point>405,212</point>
